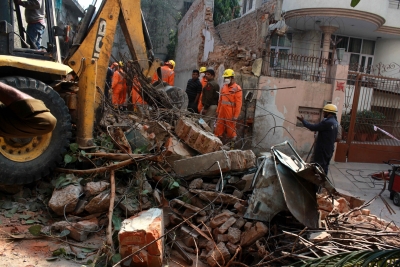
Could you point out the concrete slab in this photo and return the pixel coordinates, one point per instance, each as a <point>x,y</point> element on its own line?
<point>355,178</point>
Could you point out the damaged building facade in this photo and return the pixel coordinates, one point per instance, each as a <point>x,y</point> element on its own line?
<point>269,111</point>
<point>288,68</point>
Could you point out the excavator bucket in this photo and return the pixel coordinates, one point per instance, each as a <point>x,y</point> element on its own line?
<point>285,182</point>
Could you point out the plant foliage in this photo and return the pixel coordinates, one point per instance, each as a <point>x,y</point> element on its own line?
<point>225,10</point>
<point>379,258</point>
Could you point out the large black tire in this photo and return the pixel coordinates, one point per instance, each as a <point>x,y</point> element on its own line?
<point>12,172</point>
<point>396,198</point>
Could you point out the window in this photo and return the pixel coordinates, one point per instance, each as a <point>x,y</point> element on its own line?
<point>244,6</point>
<point>250,4</point>
<point>281,44</point>
<point>355,45</point>
<point>186,6</point>
<point>343,43</point>
<point>360,51</point>
<point>368,47</point>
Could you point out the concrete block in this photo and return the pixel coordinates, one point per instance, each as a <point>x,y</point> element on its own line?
<point>68,197</point>
<point>176,150</point>
<point>241,159</point>
<point>138,231</point>
<point>203,164</point>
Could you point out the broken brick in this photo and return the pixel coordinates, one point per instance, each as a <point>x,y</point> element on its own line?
<point>222,238</point>
<point>231,248</point>
<point>196,138</point>
<point>218,256</point>
<point>234,235</point>
<point>237,193</point>
<point>139,231</point>
<point>247,226</point>
<point>250,236</point>
<point>225,226</point>
<point>196,184</point>
<point>239,223</point>
<point>220,219</point>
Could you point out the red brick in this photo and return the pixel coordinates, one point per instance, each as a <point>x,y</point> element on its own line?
<point>140,230</point>
<point>234,235</point>
<point>225,226</point>
<point>250,236</point>
<point>220,219</point>
<point>218,256</point>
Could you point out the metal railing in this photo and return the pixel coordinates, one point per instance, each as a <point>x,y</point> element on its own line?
<point>394,4</point>
<point>297,67</point>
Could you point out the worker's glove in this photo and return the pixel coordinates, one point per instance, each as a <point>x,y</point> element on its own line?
<point>300,118</point>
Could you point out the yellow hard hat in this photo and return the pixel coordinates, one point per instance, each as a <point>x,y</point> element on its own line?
<point>172,63</point>
<point>330,108</point>
<point>203,69</point>
<point>121,64</point>
<point>228,73</point>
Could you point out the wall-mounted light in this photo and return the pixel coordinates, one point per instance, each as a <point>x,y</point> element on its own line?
<point>339,54</point>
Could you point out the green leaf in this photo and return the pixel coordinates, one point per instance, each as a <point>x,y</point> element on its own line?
<point>88,250</point>
<point>174,185</point>
<point>74,147</point>
<point>73,159</point>
<point>7,205</point>
<point>80,256</point>
<point>35,230</point>
<point>145,192</point>
<point>25,216</point>
<point>116,258</point>
<point>42,219</point>
<point>59,252</point>
<point>64,233</point>
<point>67,159</point>
<point>30,222</point>
<point>83,153</point>
<point>116,222</point>
<point>354,3</point>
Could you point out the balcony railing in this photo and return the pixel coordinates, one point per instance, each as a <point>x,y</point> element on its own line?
<point>296,67</point>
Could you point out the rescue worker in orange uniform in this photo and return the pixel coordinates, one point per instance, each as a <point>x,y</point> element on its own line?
<point>229,107</point>
<point>203,81</point>
<point>139,105</point>
<point>167,73</point>
<point>119,86</point>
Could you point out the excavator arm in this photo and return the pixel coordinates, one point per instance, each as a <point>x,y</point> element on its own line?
<point>91,57</point>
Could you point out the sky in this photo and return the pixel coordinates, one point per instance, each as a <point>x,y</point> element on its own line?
<point>86,3</point>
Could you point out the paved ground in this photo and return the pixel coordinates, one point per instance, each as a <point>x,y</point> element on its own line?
<point>355,178</point>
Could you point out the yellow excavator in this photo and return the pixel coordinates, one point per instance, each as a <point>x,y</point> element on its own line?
<point>40,73</point>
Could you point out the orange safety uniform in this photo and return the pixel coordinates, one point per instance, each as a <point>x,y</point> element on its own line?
<point>168,75</point>
<point>119,88</point>
<point>136,96</point>
<point>203,83</point>
<point>229,107</point>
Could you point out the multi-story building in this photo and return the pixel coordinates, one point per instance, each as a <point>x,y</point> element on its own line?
<point>369,33</point>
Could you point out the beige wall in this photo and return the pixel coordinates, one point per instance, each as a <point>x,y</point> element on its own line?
<point>279,108</point>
